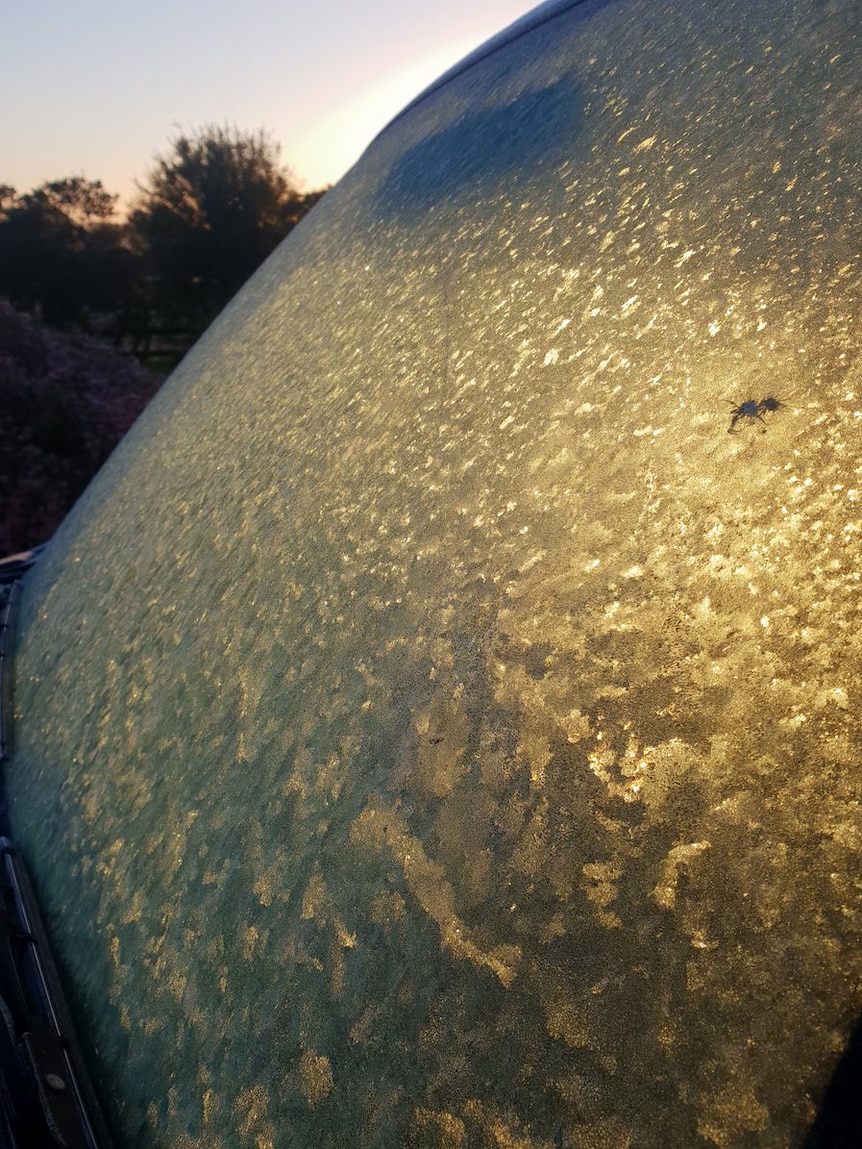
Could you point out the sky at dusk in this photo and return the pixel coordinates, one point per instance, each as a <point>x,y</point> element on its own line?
<point>97,87</point>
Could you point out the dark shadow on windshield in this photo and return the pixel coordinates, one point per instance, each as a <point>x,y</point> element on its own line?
<point>574,11</point>
<point>486,150</point>
<point>838,1124</point>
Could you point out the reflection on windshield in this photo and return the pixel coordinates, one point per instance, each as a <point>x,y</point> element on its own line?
<point>501,145</point>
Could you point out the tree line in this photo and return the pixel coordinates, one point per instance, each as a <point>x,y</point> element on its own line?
<point>210,211</point>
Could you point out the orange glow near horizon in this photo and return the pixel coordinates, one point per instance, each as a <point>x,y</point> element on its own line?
<point>324,150</point>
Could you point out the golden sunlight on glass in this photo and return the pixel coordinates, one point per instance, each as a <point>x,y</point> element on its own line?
<point>439,723</point>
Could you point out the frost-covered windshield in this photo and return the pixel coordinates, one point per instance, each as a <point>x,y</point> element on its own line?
<point>439,723</point>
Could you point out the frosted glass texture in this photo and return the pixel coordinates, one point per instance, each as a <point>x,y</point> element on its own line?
<point>438,725</point>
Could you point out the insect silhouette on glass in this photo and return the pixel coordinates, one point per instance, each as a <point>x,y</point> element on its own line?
<point>752,410</point>
<point>770,403</point>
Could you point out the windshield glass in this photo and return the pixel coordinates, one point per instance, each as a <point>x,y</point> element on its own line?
<point>438,724</point>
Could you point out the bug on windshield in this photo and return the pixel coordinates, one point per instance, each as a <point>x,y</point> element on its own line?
<point>753,410</point>
<point>749,411</point>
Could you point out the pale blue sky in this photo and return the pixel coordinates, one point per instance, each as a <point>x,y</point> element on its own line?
<point>96,87</point>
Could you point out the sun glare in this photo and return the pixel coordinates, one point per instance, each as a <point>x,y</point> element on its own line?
<point>326,148</point>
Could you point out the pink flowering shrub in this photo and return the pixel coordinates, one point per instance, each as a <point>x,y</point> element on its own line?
<point>65,402</point>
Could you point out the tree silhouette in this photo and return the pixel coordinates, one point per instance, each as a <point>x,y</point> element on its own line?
<point>211,211</point>
<point>63,255</point>
<point>84,203</point>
